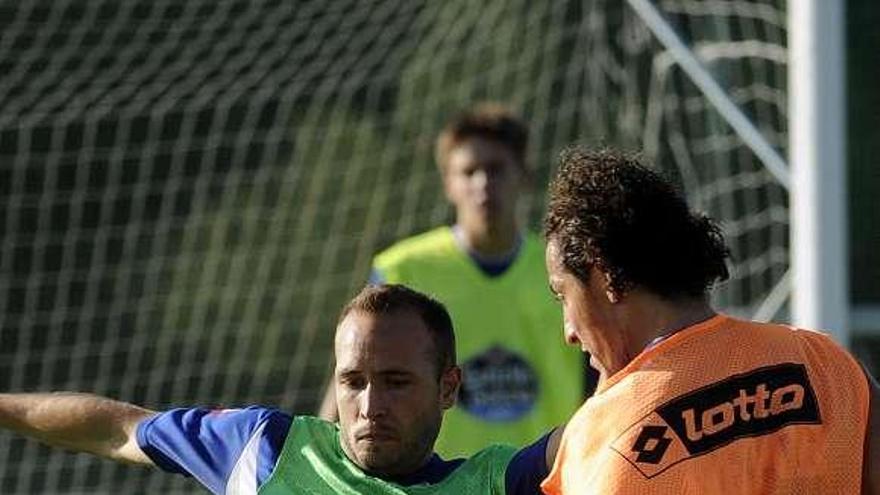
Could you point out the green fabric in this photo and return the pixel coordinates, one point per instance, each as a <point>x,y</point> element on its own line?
<point>312,462</point>
<point>512,314</point>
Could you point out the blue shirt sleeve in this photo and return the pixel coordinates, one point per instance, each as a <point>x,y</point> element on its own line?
<point>527,469</point>
<point>207,444</point>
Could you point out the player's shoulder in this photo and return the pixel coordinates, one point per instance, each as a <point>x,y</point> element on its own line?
<point>495,453</point>
<point>252,414</point>
<point>313,423</point>
<point>209,443</point>
<point>435,241</point>
<point>781,334</point>
<point>223,421</point>
<point>519,471</point>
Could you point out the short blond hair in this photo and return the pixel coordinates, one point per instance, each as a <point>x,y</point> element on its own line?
<point>386,299</point>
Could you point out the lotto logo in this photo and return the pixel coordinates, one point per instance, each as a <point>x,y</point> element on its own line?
<point>748,405</point>
<point>724,415</point>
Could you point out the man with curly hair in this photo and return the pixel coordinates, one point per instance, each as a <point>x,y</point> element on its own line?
<point>689,400</point>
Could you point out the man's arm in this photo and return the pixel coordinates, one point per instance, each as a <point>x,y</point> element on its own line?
<point>78,422</point>
<point>871,469</point>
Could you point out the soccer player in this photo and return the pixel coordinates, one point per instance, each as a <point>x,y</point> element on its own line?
<point>395,376</point>
<point>689,400</point>
<point>490,273</point>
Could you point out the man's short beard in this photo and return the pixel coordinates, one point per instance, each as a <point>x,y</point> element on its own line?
<point>410,457</point>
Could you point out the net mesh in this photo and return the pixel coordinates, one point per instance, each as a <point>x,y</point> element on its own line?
<point>191,190</point>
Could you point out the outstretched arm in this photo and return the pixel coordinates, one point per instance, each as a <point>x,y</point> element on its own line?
<point>78,422</point>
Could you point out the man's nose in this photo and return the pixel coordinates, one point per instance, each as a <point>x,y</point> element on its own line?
<point>480,179</point>
<point>374,402</point>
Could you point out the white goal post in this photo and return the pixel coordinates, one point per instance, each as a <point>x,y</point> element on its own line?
<point>820,255</point>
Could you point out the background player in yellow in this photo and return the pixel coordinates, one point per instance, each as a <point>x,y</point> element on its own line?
<point>489,272</point>
<point>689,400</point>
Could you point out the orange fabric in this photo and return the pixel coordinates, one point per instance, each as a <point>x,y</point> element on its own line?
<point>725,406</point>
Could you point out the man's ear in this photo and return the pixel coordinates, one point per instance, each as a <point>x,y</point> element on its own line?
<point>450,382</point>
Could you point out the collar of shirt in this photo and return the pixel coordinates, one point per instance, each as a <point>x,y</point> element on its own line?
<point>490,265</point>
<point>434,471</point>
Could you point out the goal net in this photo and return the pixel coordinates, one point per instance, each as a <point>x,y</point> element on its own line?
<point>191,190</point>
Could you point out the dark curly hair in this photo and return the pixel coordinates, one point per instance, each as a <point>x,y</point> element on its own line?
<point>608,210</point>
